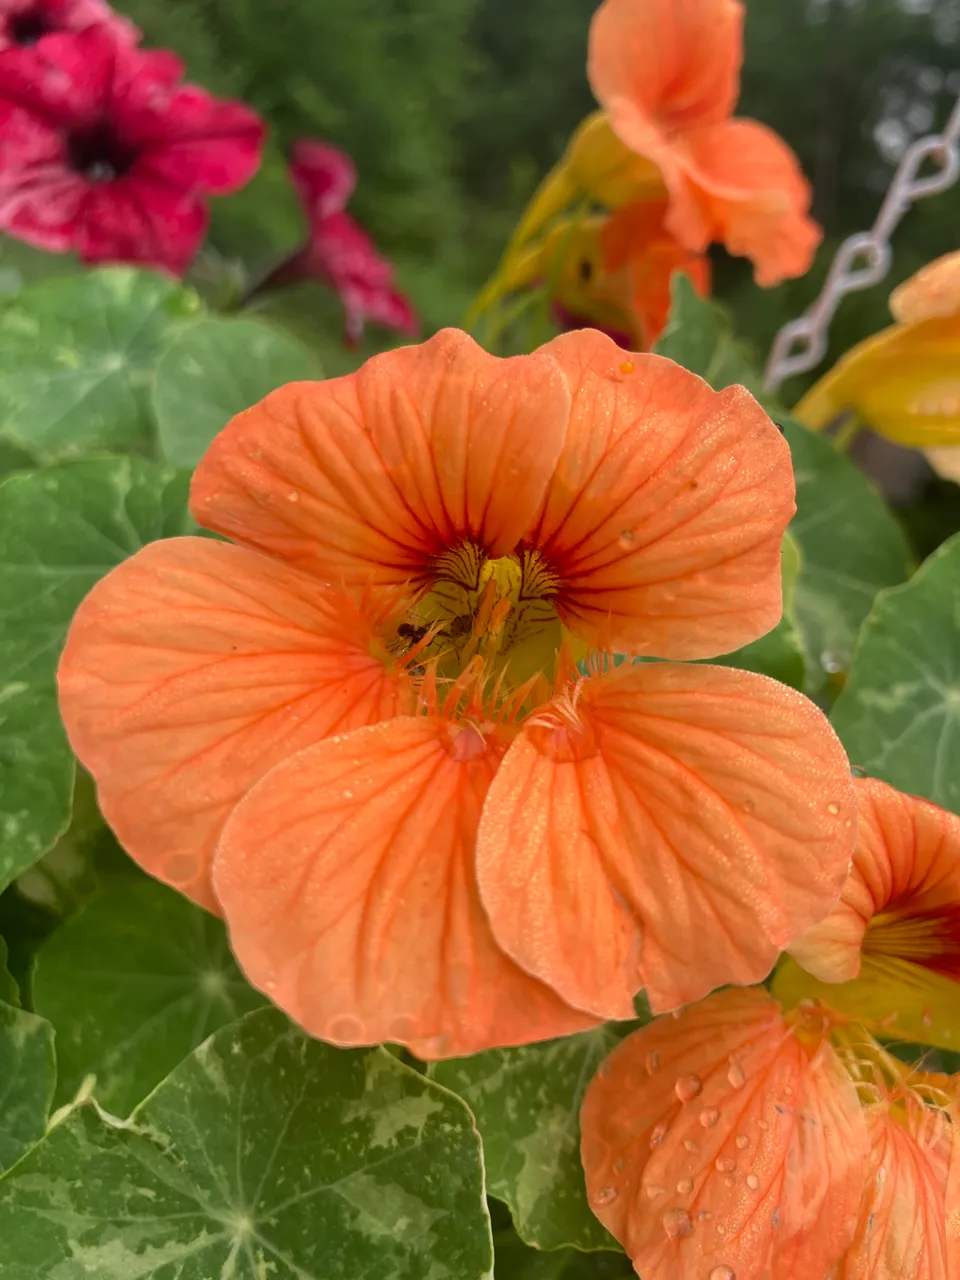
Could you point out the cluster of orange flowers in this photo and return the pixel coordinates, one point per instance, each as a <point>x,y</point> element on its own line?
<point>656,175</point>
<point>383,731</point>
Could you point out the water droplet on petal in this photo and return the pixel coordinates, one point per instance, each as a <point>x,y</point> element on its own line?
<point>688,1087</point>
<point>833,807</point>
<point>627,367</point>
<point>685,1186</point>
<point>748,806</point>
<point>654,1192</point>
<point>676,1223</point>
<point>709,1117</point>
<point>723,1273</point>
<point>753,1181</point>
<point>881,1175</point>
<point>763,1124</point>
<point>627,539</point>
<point>704,1215</point>
<point>691,1145</point>
<point>653,1063</point>
<point>606,1195</point>
<point>344,1030</point>
<point>775,1220</point>
<point>725,1164</point>
<point>736,1075</point>
<point>657,1135</point>
<point>742,1141</point>
<point>619,1164</point>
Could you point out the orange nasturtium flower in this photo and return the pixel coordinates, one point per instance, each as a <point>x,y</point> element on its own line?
<point>904,382</point>
<point>359,732</point>
<point>736,1143</point>
<point>889,952</point>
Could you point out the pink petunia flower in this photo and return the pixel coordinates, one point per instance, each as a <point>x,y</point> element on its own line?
<point>103,150</point>
<point>24,22</point>
<point>338,250</point>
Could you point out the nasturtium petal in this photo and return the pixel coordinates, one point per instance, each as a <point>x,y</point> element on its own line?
<point>686,824</point>
<point>368,478</point>
<point>77,356</point>
<point>933,291</point>
<point>214,369</point>
<point>666,511</point>
<point>851,547</point>
<point>61,529</point>
<point>899,713</point>
<point>263,1154</point>
<point>27,1077</point>
<point>132,984</point>
<point>726,1143</point>
<point>527,1107</point>
<point>193,669</point>
<point>347,880</point>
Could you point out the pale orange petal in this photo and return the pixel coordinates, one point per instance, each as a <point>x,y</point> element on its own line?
<point>901,1232</point>
<point>739,182</point>
<point>725,1146</point>
<point>666,512</point>
<point>680,830</point>
<point>191,670</point>
<point>933,291</point>
<point>664,65</point>
<point>902,899</point>
<point>347,881</point>
<point>369,477</point>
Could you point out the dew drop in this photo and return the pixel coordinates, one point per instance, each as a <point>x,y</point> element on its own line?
<point>181,868</point>
<point>927,1017</point>
<point>829,662</point>
<point>763,1124</point>
<point>833,807</point>
<point>728,1181</point>
<point>709,1117</point>
<point>676,1223</point>
<point>654,1192</point>
<point>402,1029</point>
<point>775,1220</point>
<point>344,1030</point>
<point>627,367</point>
<point>627,539</point>
<point>653,1063</point>
<point>736,1075</point>
<point>881,1176</point>
<point>748,806</point>
<point>619,1164</point>
<point>725,1164</point>
<point>293,496</point>
<point>742,1141</point>
<point>858,771</point>
<point>688,1087</point>
<point>723,1273</point>
<point>753,1181</point>
<point>657,1135</point>
<point>606,1195</point>
<point>684,1186</point>
<point>704,1215</point>
<point>691,1145</point>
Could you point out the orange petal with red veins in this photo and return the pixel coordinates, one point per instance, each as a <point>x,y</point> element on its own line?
<point>739,182</point>
<point>933,291</point>
<point>902,899</point>
<point>191,670</point>
<point>665,65</point>
<point>665,514</point>
<point>901,1232</point>
<point>369,477</point>
<point>690,826</point>
<point>724,1144</point>
<point>347,880</point>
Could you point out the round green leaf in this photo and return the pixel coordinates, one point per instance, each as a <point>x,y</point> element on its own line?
<point>61,529</point>
<point>77,357</point>
<point>899,714</point>
<point>9,991</point>
<point>779,654</point>
<point>133,983</point>
<point>700,337</point>
<point>527,1105</point>
<point>851,546</point>
<point>264,1156</point>
<point>27,1075</point>
<point>213,370</point>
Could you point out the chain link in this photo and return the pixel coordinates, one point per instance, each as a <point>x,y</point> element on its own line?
<point>864,259</point>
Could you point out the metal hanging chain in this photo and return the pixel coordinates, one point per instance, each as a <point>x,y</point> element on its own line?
<point>864,259</point>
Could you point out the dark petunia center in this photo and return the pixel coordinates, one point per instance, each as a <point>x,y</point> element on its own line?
<point>28,27</point>
<point>99,155</point>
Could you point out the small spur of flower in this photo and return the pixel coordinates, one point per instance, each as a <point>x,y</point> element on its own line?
<point>338,251</point>
<point>105,151</point>
<point>889,951</point>
<point>24,22</point>
<point>736,1142</point>
<point>358,730</point>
